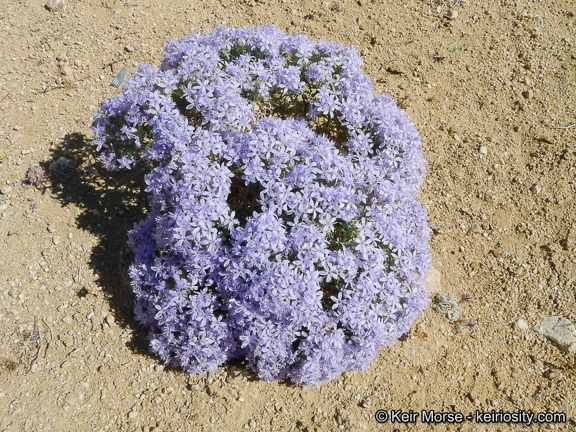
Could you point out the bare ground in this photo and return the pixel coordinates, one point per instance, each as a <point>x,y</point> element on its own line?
<point>491,88</point>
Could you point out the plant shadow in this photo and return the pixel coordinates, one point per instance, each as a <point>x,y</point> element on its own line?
<point>110,203</point>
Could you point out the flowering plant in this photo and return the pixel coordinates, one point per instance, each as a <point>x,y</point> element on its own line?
<point>283,225</point>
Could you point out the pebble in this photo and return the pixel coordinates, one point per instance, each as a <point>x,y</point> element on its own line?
<point>56,240</point>
<point>252,423</point>
<point>110,320</point>
<point>66,71</point>
<point>67,319</point>
<point>51,229</point>
<point>25,151</point>
<point>495,253</point>
<point>90,315</point>
<point>522,325</point>
<point>129,48</point>
<point>337,7</point>
<point>483,149</point>
<point>535,189</point>
<point>571,239</point>
<point>6,190</point>
<point>62,57</point>
<point>56,5</point>
<point>433,281</point>
<point>475,228</point>
<point>14,137</point>
<point>133,414</point>
<point>528,94</point>
<point>550,374</point>
<point>560,331</point>
<point>71,399</point>
<point>451,14</point>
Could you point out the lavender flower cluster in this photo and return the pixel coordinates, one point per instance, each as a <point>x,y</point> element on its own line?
<point>283,226</point>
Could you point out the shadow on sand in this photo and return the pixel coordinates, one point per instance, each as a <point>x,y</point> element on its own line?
<point>110,204</point>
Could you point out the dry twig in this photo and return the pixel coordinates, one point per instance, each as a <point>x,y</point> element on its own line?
<point>565,127</point>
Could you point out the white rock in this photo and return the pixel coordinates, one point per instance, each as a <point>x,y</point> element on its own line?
<point>56,5</point>
<point>559,330</point>
<point>522,325</point>
<point>67,319</point>
<point>433,281</point>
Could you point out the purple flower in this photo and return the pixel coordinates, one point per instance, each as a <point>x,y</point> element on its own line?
<point>283,226</point>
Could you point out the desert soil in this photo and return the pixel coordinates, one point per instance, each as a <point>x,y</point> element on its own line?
<point>491,88</point>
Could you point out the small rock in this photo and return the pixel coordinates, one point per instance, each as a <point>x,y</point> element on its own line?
<point>337,7</point>
<point>14,137</point>
<point>67,71</point>
<point>56,5</point>
<point>571,239</point>
<point>451,14</point>
<point>483,150</point>
<point>495,253</point>
<point>133,414</point>
<point>528,94</point>
<point>25,151</point>
<point>62,57</point>
<point>535,189</point>
<point>551,374</point>
<point>67,319</point>
<point>396,69</point>
<point>129,48</point>
<point>77,63</point>
<point>90,315</point>
<point>522,325</point>
<point>71,399</point>
<point>56,240</point>
<point>51,229</point>
<point>527,81</point>
<point>6,190</point>
<point>433,281</point>
<point>252,423</point>
<point>559,330</point>
<point>475,228</point>
<point>110,320</point>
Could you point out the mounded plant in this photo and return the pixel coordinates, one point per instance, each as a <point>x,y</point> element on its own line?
<point>282,226</point>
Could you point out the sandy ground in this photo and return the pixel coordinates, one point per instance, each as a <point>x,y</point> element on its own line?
<point>491,87</point>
